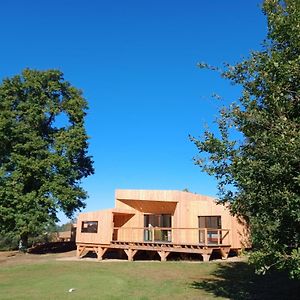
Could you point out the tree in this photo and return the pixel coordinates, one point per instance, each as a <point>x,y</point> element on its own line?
<point>43,151</point>
<point>259,174</point>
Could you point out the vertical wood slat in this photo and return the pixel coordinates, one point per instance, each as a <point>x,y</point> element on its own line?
<point>137,234</point>
<point>187,207</point>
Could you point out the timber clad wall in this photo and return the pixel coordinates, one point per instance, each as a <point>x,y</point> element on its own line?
<point>104,232</point>
<point>126,222</point>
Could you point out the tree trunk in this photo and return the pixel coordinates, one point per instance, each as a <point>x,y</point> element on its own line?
<point>23,244</point>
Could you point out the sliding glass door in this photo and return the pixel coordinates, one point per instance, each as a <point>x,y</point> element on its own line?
<point>154,223</point>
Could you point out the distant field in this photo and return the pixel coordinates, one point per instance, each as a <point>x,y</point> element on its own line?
<point>44,277</point>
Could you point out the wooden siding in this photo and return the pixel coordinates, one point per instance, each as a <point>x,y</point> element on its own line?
<point>105,224</point>
<point>188,208</point>
<point>184,207</point>
<point>151,207</point>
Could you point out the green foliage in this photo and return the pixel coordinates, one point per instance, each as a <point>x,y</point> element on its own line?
<point>64,227</point>
<point>43,151</point>
<point>9,241</point>
<point>259,175</point>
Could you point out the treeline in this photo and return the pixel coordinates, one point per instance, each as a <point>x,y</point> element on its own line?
<point>11,241</point>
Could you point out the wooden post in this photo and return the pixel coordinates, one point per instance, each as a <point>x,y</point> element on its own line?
<point>101,251</point>
<point>224,253</point>
<point>78,251</point>
<point>205,257</point>
<point>130,253</point>
<point>163,255</point>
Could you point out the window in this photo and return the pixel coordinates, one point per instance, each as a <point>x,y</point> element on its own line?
<point>210,222</point>
<point>158,220</point>
<point>89,226</point>
<point>154,233</point>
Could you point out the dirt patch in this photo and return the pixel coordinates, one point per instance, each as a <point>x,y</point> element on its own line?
<point>5,254</point>
<point>39,253</point>
<point>13,258</point>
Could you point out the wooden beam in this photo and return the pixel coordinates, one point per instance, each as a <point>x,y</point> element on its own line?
<point>100,252</point>
<point>224,253</point>
<point>163,255</point>
<point>227,232</point>
<point>81,251</point>
<point>78,251</point>
<point>205,237</point>
<point>130,253</point>
<point>163,250</point>
<point>205,257</point>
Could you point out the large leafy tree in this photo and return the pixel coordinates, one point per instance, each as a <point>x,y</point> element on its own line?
<point>258,169</point>
<point>43,151</point>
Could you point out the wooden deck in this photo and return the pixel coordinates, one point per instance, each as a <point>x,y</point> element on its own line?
<point>163,249</point>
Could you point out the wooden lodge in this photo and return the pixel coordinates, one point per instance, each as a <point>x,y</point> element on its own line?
<point>161,222</point>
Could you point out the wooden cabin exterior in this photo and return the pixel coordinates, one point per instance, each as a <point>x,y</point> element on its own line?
<point>161,221</point>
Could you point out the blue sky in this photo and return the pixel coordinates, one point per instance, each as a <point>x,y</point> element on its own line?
<point>136,64</point>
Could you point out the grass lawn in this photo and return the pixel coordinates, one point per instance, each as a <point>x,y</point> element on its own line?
<point>51,279</point>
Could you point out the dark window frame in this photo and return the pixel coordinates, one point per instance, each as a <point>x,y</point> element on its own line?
<point>208,220</point>
<point>158,220</point>
<point>90,227</point>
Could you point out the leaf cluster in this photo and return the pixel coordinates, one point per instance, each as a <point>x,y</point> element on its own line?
<point>259,176</point>
<point>43,150</point>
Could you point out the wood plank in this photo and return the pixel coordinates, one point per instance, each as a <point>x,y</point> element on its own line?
<point>130,253</point>
<point>163,255</point>
<point>206,257</point>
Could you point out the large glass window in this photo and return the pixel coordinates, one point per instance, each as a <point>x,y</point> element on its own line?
<point>89,226</point>
<point>213,236</point>
<point>154,223</point>
<point>157,220</point>
<point>210,222</point>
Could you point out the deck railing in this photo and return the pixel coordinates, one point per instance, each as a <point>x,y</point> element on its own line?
<point>203,236</point>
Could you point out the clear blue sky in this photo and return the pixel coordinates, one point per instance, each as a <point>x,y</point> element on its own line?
<point>136,64</point>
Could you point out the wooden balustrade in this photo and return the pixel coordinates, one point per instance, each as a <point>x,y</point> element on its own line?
<point>203,236</point>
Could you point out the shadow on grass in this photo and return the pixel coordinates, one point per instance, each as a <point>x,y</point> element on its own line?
<point>238,281</point>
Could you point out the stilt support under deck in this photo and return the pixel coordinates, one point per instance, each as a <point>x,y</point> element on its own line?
<point>130,253</point>
<point>205,257</point>
<point>81,250</point>
<point>100,252</point>
<point>152,248</point>
<point>163,255</point>
<point>224,253</point>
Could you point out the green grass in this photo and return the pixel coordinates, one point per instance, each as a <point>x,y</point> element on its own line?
<point>107,280</point>
<point>140,280</point>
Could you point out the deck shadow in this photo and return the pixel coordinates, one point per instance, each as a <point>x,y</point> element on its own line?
<point>238,281</point>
